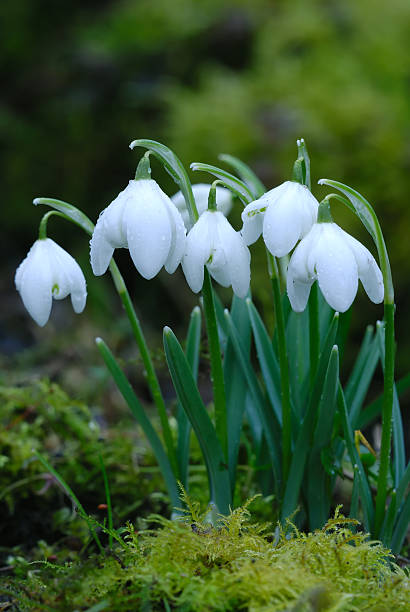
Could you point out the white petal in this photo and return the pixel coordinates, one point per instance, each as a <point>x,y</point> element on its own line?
<point>101,250</point>
<point>336,268</point>
<point>369,272</point>
<point>69,273</point>
<point>198,249</point>
<point>177,247</point>
<point>112,218</point>
<point>238,264</point>
<point>281,228</point>
<point>252,218</point>
<point>33,281</point>
<point>298,291</point>
<point>148,228</point>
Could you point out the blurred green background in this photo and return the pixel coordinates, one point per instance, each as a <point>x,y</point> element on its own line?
<point>245,77</point>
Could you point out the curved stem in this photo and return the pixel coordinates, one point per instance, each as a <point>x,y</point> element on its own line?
<point>284,366</point>
<point>217,375</point>
<point>387,414</point>
<point>42,228</point>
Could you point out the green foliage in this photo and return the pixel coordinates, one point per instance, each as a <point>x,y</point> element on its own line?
<point>190,565</point>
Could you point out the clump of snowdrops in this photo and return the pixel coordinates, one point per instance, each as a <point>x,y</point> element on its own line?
<point>301,424</point>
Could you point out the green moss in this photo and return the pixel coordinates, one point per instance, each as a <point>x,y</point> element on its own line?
<point>192,565</point>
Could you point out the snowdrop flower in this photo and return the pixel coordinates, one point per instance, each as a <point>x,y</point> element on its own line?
<point>49,272</point>
<point>284,215</point>
<point>143,219</point>
<point>201,192</point>
<point>213,242</point>
<point>336,260</point>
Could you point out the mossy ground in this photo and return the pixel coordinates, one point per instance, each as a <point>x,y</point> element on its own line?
<point>188,564</point>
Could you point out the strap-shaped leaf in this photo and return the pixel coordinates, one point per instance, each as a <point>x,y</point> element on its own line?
<point>304,439</point>
<point>232,182</point>
<point>174,167</point>
<point>266,414</point>
<point>355,394</point>
<point>398,497</point>
<point>360,475</point>
<point>138,412</point>
<point>317,487</point>
<point>402,527</point>
<point>235,384</point>
<point>267,359</point>
<point>359,364</point>
<point>398,434</point>
<point>191,401</point>
<point>297,342</point>
<point>247,175</point>
<point>193,343</point>
<point>372,411</point>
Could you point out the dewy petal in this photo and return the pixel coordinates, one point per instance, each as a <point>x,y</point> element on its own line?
<point>69,273</point>
<point>252,218</point>
<point>336,268</point>
<point>369,272</point>
<point>198,249</point>
<point>178,231</point>
<point>147,225</point>
<point>34,283</point>
<point>281,227</point>
<point>101,250</point>
<point>300,276</point>
<point>238,258</point>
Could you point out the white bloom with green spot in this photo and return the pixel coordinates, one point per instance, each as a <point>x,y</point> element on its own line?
<point>143,219</point>
<point>284,215</point>
<point>213,242</point>
<point>49,272</point>
<point>337,261</point>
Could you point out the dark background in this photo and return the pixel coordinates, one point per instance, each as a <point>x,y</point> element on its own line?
<point>80,80</point>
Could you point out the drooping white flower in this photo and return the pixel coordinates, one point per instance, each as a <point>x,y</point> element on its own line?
<point>336,260</point>
<point>143,219</point>
<point>284,215</point>
<point>213,242</point>
<point>49,272</point>
<point>201,192</point>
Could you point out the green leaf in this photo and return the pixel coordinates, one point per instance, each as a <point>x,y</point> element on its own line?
<point>138,412</point>
<point>193,343</point>
<point>191,401</point>
<point>267,360</point>
<point>247,175</point>
<point>304,439</point>
<point>318,495</point>
<point>359,473</point>
<point>401,528</point>
<point>73,213</point>
<point>373,410</point>
<point>356,391</point>
<point>359,364</point>
<point>229,180</point>
<point>398,434</point>
<point>235,384</point>
<point>174,167</point>
<point>297,342</point>
<point>270,424</point>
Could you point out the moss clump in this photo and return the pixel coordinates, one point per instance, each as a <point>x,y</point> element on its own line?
<point>192,565</point>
